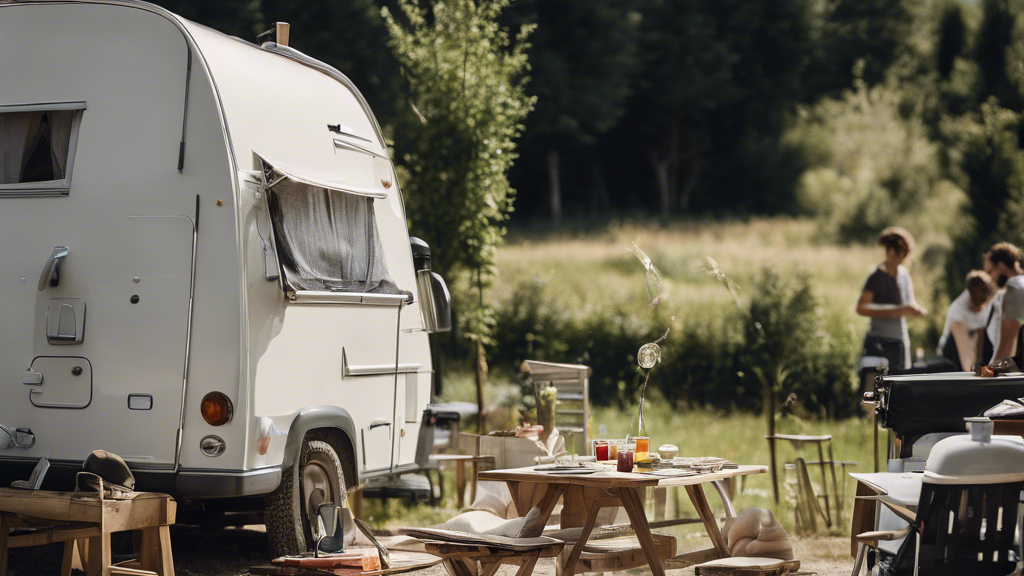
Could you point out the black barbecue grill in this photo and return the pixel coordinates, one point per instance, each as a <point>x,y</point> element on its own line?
<point>914,405</point>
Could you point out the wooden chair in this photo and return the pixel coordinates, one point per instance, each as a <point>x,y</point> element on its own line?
<point>957,529</point>
<point>821,442</point>
<point>572,412</point>
<point>84,521</point>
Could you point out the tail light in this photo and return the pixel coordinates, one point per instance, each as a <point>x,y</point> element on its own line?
<point>217,409</point>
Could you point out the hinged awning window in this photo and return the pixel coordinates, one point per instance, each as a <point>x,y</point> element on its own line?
<point>326,234</point>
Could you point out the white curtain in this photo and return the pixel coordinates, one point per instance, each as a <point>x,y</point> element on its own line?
<point>328,240</point>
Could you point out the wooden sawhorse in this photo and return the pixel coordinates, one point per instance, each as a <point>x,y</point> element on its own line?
<point>84,521</point>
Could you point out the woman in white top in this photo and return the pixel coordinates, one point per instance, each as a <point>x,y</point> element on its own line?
<point>966,319</point>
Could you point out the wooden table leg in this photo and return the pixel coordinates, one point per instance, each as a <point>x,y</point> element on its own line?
<point>149,554</point>
<point>577,549</point>
<point>700,502</point>
<point>527,568</point>
<point>3,545</point>
<point>835,486</point>
<point>74,557</point>
<point>472,489</point>
<point>99,555</point>
<point>460,483</point>
<point>166,567</point>
<point>635,509</point>
<point>824,486</point>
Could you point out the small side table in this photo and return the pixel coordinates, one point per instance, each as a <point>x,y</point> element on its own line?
<point>460,472</point>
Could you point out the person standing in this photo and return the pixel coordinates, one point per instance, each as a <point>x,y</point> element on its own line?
<point>887,299</point>
<point>966,319</point>
<point>1002,262</point>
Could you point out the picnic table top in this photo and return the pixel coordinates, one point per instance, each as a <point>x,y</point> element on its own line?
<point>610,478</point>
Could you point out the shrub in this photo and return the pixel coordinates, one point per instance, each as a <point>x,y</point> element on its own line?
<point>707,360</point>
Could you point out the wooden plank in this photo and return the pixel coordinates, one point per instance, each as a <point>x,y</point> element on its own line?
<point>51,536</point>
<point>863,515</point>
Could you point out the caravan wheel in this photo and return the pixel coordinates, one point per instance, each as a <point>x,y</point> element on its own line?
<point>315,479</point>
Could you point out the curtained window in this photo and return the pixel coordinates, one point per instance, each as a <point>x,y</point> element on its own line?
<point>37,147</point>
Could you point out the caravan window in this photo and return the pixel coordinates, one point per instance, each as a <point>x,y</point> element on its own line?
<point>37,147</point>
<point>327,239</point>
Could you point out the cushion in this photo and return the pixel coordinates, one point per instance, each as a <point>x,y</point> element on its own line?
<point>756,533</point>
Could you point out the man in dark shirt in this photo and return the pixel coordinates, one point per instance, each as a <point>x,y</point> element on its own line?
<point>1002,262</point>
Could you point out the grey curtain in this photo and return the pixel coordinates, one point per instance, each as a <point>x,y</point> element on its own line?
<point>328,240</point>
<point>20,132</point>
<point>14,133</point>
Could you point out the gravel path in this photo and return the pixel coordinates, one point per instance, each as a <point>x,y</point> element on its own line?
<point>230,552</point>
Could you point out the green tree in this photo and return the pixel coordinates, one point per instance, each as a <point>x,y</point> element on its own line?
<point>467,104</point>
<point>716,74</point>
<point>873,31</point>
<point>995,36</point>
<point>986,153</point>
<point>583,56</point>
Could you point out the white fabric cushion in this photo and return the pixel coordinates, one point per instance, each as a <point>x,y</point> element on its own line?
<point>495,498</point>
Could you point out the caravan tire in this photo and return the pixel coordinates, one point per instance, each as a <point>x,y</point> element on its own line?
<point>315,479</point>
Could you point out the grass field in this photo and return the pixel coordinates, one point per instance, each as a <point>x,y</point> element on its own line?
<point>583,271</point>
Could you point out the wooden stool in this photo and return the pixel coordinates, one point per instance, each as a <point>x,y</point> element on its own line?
<point>84,521</point>
<point>746,567</point>
<point>460,472</point>
<point>462,559</point>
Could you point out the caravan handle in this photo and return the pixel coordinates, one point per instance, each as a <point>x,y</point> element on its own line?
<point>51,270</point>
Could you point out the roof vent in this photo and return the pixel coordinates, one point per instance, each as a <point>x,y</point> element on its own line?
<point>280,32</point>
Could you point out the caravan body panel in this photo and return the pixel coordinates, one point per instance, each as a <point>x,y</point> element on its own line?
<point>128,223</point>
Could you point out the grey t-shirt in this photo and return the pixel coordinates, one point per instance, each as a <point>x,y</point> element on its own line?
<point>888,290</point>
<point>1013,299</point>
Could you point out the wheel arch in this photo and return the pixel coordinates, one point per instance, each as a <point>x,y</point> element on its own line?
<point>331,424</point>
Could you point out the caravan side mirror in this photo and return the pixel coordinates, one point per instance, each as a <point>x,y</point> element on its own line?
<point>435,301</point>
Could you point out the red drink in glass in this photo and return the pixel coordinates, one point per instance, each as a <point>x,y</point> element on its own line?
<point>625,463</point>
<point>601,451</point>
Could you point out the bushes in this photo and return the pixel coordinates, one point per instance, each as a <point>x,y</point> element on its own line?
<point>709,356</point>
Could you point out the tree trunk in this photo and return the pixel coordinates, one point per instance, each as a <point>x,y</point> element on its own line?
<point>686,192</point>
<point>769,412</point>
<point>554,186</point>
<point>661,173</point>
<point>481,378</point>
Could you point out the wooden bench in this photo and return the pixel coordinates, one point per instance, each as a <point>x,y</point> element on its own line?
<point>84,521</point>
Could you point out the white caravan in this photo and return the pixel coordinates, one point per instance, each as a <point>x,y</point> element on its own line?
<point>204,264</point>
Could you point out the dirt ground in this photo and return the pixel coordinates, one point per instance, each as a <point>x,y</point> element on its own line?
<point>230,552</point>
